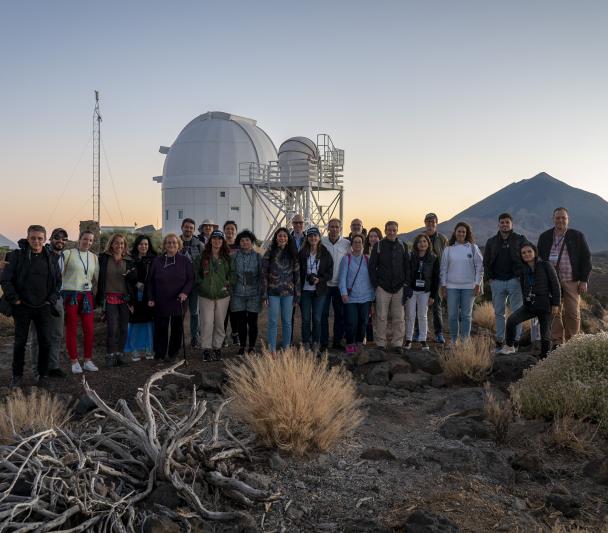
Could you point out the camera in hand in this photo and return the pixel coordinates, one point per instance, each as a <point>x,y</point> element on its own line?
<point>530,298</point>
<point>311,279</point>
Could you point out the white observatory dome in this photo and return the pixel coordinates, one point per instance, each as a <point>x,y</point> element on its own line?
<point>201,171</point>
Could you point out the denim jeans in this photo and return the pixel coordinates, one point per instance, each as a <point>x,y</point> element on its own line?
<point>311,305</point>
<point>279,305</point>
<point>503,291</point>
<point>460,308</point>
<point>355,321</point>
<point>334,299</point>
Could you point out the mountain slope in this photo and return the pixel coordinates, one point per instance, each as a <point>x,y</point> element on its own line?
<point>531,203</point>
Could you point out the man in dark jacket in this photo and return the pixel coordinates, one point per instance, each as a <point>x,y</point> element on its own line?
<point>192,249</point>
<point>388,272</point>
<point>569,253</point>
<point>438,243</point>
<point>502,266</point>
<point>31,282</point>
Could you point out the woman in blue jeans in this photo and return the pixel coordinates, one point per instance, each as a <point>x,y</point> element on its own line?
<point>357,293</point>
<point>316,269</point>
<point>280,286</point>
<point>461,275</point>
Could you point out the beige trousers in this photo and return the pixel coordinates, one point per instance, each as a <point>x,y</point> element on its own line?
<point>389,303</point>
<point>568,322</point>
<point>212,314</point>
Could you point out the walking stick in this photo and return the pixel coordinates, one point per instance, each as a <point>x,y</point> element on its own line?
<point>183,334</point>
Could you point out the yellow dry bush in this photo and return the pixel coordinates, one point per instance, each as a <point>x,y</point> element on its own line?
<point>22,414</point>
<point>483,316</point>
<point>572,435</point>
<point>572,381</point>
<point>294,401</point>
<point>468,360</point>
<point>499,414</point>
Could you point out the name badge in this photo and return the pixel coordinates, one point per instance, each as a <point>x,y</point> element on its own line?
<point>420,284</point>
<point>553,257</point>
<point>86,286</point>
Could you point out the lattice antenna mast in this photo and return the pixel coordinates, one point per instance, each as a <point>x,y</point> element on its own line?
<point>96,160</point>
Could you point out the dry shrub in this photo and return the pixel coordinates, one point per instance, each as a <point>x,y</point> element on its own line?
<point>483,316</point>
<point>571,435</point>
<point>499,414</point>
<point>294,401</point>
<point>22,414</point>
<point>572,381</point>
<point>468,360</point>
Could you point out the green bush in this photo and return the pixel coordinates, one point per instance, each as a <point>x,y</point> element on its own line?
<point>572,380</point>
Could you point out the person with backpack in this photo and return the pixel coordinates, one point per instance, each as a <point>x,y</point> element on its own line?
<point>246,299</point>
<point>421,289</point>
<point>357,293</point>
<point>316,270</point>
<point>461,275</point>
<point>542,298</point>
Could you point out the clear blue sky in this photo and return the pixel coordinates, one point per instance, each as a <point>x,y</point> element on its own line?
<point>437,104</point>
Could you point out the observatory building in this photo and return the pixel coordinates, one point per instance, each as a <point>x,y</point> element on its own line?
<point>201,172</point>
<point>224,167</point>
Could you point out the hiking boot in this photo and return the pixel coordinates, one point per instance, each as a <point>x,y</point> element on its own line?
<point>440,339</point>
<point>149,355</point>
<point>397,350</point>
<point>498,347</point>
<point>16,382</point>
<point>76,368</point>
<point>135,356</point>
<point>110,360</point>
<point>235,339</point>
<point>57,373</point>
<point>408,345</point>
<point>217,354</point>
<point>120,359</point>
<point>207,355</point>
<point>89,365</point>
<point>424,345</point>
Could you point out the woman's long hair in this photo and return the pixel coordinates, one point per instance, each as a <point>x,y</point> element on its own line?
<point>306,248</point>
<point>112,240</point>
<point>135,252</point>
<point>469,236</point>
<point>290,248</point>
<point>367,246</point>
<point>224,251</point>
<point>421,237</point>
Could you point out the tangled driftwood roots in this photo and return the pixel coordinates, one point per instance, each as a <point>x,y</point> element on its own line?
<point>93,478</point>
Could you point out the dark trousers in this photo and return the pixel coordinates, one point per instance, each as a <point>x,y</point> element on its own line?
<point>162,338</point>
<point>521,315</point>
<point>41,317</point>
<point>312,305</point>
<point>233,322</point>
<point>334,299</point>
<point>117,327</point>
<point>356,317</point>
<point>245,321</point>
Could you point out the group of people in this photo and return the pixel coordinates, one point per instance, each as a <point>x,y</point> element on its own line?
<point>377,289</point>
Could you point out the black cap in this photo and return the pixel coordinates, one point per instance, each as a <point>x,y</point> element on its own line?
<point>313,231</point>
<point>59,232</point>
<point>218,234</point>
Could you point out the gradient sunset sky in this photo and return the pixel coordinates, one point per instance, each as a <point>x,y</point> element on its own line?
<point>437,104</point>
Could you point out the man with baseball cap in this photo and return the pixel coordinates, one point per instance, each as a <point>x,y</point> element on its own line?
<point>438,244</point>
<point>56,245</point>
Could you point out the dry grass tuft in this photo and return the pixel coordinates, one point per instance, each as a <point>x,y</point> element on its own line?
<point>499,414</point>
<point>483,316</point>
<point>571,435</point>
<point>468,360</point>
<point>294,401</point>
<point>22,414</point>
<point>572,381</point>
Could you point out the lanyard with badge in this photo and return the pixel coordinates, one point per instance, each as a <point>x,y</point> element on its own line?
<point>420,277</point>
<point>86,286</point>
<point>557,250</point>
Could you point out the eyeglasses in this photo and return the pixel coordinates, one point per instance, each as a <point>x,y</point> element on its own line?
<point>298,222</point>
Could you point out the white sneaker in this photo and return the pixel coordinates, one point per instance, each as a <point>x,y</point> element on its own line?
<point>135,356</point>
<point>507,350</point>
<point>149,355</point>
<point>90,366</point>
<point>76,368</point>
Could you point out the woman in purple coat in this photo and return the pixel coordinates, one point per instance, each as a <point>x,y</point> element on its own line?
<point>171,280</point>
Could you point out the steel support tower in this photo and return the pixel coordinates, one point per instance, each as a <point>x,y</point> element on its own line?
<point>96,160</point>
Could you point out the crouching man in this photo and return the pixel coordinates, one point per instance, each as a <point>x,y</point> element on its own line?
<point>31,282</point>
